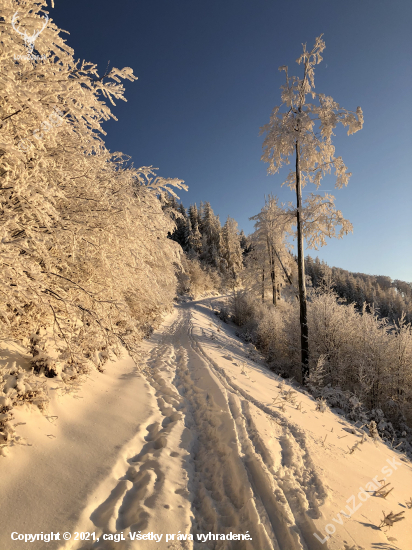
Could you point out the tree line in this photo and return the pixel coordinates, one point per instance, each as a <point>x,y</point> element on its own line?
<point>200,234</point>
<point>388,298</point>
<point>265,263</point>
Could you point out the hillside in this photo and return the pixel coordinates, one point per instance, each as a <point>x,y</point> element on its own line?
<point>200,438</point>
<point>389,298</point>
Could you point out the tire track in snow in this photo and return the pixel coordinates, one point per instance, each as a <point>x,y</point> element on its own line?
<point>236,456</point>
<point>296,490</point>
<point>222,498</point>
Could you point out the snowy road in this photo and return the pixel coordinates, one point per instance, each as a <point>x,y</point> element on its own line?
<point>216,455</point>
<point>234,481</point>
<point>203,447</point>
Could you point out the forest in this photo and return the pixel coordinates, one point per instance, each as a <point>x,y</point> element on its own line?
<point>195,234</point>
<point>93,250</point>
<point>359,325</point>
<point>108,281</point>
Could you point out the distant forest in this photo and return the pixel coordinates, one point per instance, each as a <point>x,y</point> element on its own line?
<point>200,234</point>
<point>388,298</point>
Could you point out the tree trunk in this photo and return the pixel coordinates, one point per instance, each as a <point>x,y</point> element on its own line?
<point>263,285</point>
<point>272,269</point>
<point>304,333</point>
<point>273,277</point>
<point>283,267</point>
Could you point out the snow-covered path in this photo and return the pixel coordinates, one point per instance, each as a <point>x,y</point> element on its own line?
<point>212,453</point>
<point>203,447</point>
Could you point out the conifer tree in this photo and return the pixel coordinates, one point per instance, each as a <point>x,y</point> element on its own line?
<point>200,214</point>
<point>211,237</point>
<point>195,238</point>
<point>182,230</point>
<point>244,243</point>
<point>193,215</point>
<point>177,212</point>
<point>231,250</point>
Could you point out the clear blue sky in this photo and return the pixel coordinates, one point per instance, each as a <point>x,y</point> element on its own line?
<point>208,80</point>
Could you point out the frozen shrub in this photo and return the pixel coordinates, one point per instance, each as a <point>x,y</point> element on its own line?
<point>380,424</point>
<point>358,361</point>
<point>275,331</point>
<point>17,386</point>
<point>223,314</point>
<point>321,405</point>
<point>196,279</point>
<point>243,308</point>
<point>317,375</point>
<point>41,362</point>
<point>373,431</point>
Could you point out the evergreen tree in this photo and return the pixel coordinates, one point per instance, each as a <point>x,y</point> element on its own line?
<point>231,250</point>
<point>187,234</point>
<point>211,237</point>
<point>193,215</point>
<point>200,216</point>
<point>244,244</point>
<point>243,240</point>
<point>178,213</point>
<point>195,238</point>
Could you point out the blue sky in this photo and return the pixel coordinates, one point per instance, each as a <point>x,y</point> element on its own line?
<point>208,80</point>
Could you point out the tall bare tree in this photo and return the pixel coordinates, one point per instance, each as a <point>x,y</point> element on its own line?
<point>304,130</point>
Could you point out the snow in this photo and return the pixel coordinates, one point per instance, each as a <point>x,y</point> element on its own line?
<point>198,438</point>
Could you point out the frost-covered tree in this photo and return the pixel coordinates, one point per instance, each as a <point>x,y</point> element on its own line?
<point>200,213</point>
<point>195,238</point>
<point>272,226</point>
<point>244,243</point>
<point>83,239</point>
<point>211,237</point>
<point>231,250</point>
<point>194,215</point>
<point>304,130</point>
<point>254,274</point>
